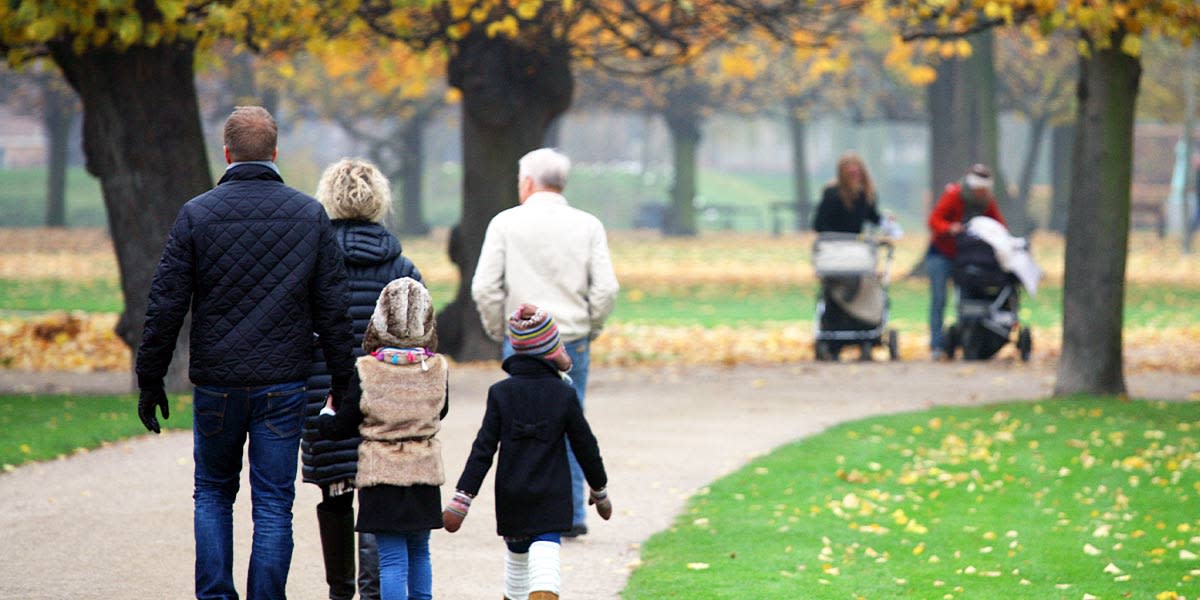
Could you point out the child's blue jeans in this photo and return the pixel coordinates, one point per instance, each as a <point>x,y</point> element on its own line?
<point>405,571</point>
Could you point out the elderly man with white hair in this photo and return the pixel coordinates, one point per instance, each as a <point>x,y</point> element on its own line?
<point>547,253</point>
<point>961,201</point>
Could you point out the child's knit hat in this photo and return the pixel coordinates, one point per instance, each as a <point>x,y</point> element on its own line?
<point>403,318</point>
<point>532,331</point>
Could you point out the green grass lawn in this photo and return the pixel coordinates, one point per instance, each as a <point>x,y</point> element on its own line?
<point>1156,306</point>
<point>1146,305</point>
<point>1059,499</point>
<point>39,427</point>
<point>97,295</point>
<point>23,198</point>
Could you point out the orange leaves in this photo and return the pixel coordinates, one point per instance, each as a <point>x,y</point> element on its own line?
<point>76,342</point>
<point>1104,22</point>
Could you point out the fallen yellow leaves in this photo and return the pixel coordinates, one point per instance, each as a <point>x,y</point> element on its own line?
<point>77,342</point>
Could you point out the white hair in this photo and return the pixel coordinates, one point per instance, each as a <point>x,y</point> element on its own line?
<point>547,167</point>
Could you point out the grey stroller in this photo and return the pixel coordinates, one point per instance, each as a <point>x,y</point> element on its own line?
<point>852,307</point>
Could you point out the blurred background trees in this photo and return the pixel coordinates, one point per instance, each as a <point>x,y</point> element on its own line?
<point>681,115</point>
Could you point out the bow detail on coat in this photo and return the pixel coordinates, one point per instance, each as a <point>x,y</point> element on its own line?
<point>538,431</point>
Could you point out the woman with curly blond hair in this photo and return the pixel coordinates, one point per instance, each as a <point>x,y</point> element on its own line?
<point>849,202</point>
<point>357,197</point>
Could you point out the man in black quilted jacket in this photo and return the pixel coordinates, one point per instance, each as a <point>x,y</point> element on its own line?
<point>257,263</point>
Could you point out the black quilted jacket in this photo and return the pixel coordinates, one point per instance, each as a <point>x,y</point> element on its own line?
<point>258,264</point>
<point>373,259</point>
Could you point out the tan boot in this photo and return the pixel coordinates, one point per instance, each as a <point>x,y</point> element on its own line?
<point>543,596</point>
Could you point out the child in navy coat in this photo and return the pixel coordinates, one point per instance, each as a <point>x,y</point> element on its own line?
<point>529,416</point>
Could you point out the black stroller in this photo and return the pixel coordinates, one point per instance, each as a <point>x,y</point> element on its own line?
<point>852,308</point>
<point>988,305</point>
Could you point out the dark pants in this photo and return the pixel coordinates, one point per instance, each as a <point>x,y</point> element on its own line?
<point>224,417</point>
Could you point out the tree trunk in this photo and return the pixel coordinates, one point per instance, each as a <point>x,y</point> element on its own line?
<point>143,140</point>
<point>59,110</point>
<point>1062,139</point>
<point>1098,225</point>
<point>510,95</point>
<point>985,124</point>
<point>803,198</point>
<point>684,126</point>
<point>949,128</point>
<point>1037,131</point>
<point>412,186</point>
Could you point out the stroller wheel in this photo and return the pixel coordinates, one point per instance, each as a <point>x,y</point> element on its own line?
<point>893,345</point>
<point>950,342</point>
<point>865,349</point>
<point>826,351</point>
<point>1025,344</point>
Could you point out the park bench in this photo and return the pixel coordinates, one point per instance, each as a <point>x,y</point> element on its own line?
<point>724,216</point>
<point>1147,202</point>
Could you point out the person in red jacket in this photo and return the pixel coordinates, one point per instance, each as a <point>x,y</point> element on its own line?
<point>961,201</point>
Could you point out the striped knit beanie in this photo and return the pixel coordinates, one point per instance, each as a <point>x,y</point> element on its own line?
<point>532,331</point>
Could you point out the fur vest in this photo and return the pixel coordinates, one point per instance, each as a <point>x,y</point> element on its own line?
<point>401,406</point>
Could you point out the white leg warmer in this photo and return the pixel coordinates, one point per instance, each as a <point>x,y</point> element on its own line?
<point>516,576</point>
<point>544,568</point>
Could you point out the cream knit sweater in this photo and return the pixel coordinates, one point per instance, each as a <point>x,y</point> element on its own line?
<point>546,253</point>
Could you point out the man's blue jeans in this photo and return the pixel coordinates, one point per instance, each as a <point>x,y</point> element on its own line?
<point>579,351</point>
<point>405,570</point>
<point>224,417</point>
<point>939,269</point>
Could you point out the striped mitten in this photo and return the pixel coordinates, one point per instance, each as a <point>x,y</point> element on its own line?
<point>456,511</point>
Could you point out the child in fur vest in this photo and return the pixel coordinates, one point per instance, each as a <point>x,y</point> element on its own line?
<point>527,416</point>
<point>396,401</point>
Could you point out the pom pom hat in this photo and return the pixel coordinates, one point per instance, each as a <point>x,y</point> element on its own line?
<point>979,177</point>
<point>532,331</point>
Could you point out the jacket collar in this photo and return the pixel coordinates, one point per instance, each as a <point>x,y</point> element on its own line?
<point>523,365</point>
<point>547,198</point>
<point>245,171</point>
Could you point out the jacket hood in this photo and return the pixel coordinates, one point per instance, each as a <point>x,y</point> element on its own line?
<point>366,243</point>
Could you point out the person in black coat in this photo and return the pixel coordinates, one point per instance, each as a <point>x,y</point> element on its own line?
<point>357,197</point>
<point>849,202</point>
<point>256,263</point>
<point>528,417</point>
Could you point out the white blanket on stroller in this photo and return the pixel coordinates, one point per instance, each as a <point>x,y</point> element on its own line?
<point>1011,252</point>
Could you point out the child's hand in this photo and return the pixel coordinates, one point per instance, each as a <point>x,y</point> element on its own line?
<point>456,511</point>
<point>328,408</point>
<point>603,504</point>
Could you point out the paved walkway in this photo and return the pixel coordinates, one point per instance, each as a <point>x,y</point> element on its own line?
<point>117,522</point>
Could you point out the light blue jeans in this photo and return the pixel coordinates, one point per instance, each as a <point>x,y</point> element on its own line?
<point>579,351</point>
<point>405,570</point>
<point>939,269</point>
<point>223,418</point>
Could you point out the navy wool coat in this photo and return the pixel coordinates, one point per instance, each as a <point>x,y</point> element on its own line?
<point>527,417</point>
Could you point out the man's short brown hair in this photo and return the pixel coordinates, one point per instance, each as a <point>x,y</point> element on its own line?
<point>250,134</point>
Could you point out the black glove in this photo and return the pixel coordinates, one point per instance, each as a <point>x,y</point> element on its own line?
<point>150,398</point>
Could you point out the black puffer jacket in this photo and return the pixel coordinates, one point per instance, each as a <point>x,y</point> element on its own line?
<point>373,259</point>
<point>257,263</point>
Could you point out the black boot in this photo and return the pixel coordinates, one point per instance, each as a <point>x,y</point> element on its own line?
<point>368,567</point>
<point>337,547</point>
